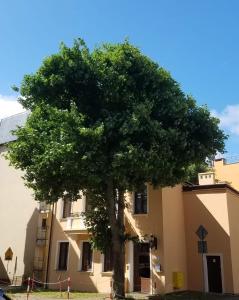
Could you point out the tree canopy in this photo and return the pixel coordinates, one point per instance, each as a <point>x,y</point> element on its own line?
<point>113,112</point>
<point>106,121</point>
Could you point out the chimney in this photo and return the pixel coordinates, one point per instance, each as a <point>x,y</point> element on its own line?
<point>206,178</point>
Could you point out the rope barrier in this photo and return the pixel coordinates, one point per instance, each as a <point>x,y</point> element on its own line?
<point>31,281</point>
<point>49,283</point>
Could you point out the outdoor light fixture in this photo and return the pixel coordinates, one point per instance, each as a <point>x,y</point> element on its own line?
<point>153,242</point>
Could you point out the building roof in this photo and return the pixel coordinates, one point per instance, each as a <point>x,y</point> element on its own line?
<point>188,188</point>
<point>11,123</point>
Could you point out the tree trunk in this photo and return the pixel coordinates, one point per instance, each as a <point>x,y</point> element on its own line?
<point>116,210</point>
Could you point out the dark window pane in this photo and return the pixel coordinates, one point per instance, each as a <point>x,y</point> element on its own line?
<point>66,209</point>
<point>86,257</point>
<point>140,202</point>
<point>108,260</point>
<point>43,223</point>
<point>63,255</point>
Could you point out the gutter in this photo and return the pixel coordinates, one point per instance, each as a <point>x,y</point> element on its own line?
<point>49,246</point>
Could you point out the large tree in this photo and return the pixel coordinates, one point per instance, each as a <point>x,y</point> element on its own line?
<point>104,122</point>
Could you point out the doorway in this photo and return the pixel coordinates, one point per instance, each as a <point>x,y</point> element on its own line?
<point>213,273</point>
<point>141,267</point>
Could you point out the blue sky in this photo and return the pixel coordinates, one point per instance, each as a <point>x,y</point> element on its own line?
<point>197,41</point>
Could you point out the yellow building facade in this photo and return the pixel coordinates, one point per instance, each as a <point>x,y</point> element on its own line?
<point>172,216</point>
<point>51,243</point>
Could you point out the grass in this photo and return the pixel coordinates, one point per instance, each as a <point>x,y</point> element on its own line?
<point>55,294</point>
<point>50,294</point>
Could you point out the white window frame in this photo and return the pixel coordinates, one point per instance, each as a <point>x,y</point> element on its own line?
<point>205,270</point>
<point>57,255</point>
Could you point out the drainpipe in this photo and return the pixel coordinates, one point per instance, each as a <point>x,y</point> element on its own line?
<point>49,245</point>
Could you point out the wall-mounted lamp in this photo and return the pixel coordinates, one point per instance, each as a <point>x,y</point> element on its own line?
<point>153,242</point>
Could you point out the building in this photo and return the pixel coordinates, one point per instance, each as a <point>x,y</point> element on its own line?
<point>174,225</point>
<point>71,255</point>
<point>172,216</point>
<point>23,222</point>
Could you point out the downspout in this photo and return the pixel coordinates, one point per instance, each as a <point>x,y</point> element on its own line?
<point>49,246</point>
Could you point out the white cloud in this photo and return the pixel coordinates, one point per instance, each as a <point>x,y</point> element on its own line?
<point>9,106</point>
<point>229,118</point>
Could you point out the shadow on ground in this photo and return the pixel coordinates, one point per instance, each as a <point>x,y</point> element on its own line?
<point>198,296</point>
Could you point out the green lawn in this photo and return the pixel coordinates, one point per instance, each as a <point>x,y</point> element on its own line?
<point>49,294</point>
<point>55,295</point>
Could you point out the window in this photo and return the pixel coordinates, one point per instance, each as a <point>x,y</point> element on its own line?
<point>86,257</point>
<point>66,212</point>
<point>43,223</point>
<point>108,260</point>
<point>140,201</point>
<point>87,204</point>
<point>63,256</point>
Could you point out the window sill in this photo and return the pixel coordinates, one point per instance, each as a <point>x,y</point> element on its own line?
<point>89,273</point>
<point>140,215</point>
<point>58,270</point>
<point>107,274</point>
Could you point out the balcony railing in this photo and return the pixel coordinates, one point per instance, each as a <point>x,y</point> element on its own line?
<point>75,223</point>
<point>41,236</point>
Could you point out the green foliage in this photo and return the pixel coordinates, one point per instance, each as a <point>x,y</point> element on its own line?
<point>107,114</point>
<point>193,171</point>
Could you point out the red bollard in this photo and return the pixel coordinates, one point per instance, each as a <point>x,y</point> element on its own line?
<point>32,285</point>
<point>68,288</point>
<point>111,289</point>
<point>28,286</point>
<point>60,287</point>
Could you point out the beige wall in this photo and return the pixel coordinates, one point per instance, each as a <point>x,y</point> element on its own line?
<point>174,235</point>
<point>227,172</point>
<point>97,280</point>
<point>210,209</point>
<point>83,281</point>
<point>18,221</point>
<point>233,210</point>
<point>164,220</point>
<point>147,224</point>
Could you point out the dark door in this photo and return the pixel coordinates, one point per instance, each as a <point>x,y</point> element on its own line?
<point>214,274</point>
<point>141,264</point>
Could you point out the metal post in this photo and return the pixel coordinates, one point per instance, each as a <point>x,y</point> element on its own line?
<point>203,278</point>
<point>68,288</point>
<point>151,270</point>
<point>28,287</point>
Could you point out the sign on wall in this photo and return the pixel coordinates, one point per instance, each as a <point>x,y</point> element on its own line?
<point>201,232</point>
<point>202,245</point>
<point>8,254</point>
